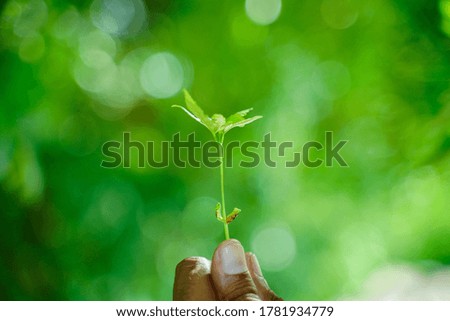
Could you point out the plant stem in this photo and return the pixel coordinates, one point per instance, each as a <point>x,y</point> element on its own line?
<point>224,212</point>
<point>222,190</point>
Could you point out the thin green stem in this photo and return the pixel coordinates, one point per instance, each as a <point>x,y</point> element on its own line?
<point>222,189</point>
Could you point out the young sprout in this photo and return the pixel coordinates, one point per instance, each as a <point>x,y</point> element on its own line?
<point>218,125</point>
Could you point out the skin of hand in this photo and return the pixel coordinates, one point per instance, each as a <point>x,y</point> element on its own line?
<point>231,275</point>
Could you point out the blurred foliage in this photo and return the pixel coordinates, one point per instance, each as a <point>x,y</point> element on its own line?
<point>76,74</point>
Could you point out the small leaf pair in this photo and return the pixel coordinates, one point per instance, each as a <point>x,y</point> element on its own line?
<point>230,217</point>
<point>217,124</point>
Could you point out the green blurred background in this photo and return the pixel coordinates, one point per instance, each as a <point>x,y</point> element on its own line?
<point>76,74</point>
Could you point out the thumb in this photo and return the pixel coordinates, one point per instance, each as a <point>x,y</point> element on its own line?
<point>230,274</point>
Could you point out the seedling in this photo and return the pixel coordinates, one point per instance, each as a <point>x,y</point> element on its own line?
<point>218,125</point>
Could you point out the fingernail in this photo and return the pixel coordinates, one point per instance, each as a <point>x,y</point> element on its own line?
<point>255,265</point>
<point>232,258</point>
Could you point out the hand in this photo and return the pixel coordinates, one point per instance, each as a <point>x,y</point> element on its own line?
<point>231,276</point>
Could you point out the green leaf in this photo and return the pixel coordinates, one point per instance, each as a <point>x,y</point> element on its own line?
<point>189,113</point>
<point>232,216</point>
<point>194,111</point>
<point>217,124</point>
<point>240,115</point>
<point>241,123</point>
<point>218,215</point>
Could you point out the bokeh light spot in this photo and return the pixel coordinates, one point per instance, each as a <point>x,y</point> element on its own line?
<point>32,48</point>
<point>275,247</point>
<point>129,72</point>
<point>67,24</point>
<point>96,40</point>
<point>118,17</point>
<point>263,12</point>
<point>444,6</point>
<point>406,282</point>
<point>31,17</point>
<point>339,14</point>
<point>162,75</point>
<point>96,71</point>
<point>92,80</point>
